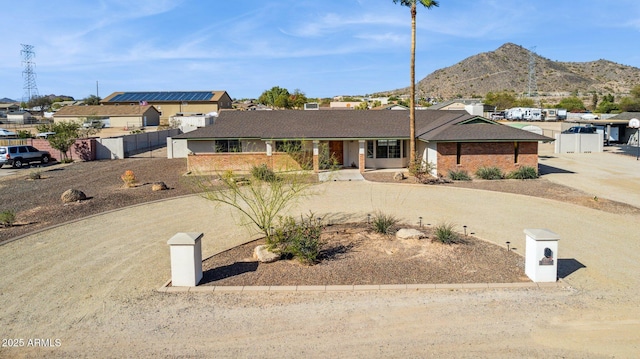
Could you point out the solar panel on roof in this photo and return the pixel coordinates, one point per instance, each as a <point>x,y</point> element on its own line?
<point>162,96</point>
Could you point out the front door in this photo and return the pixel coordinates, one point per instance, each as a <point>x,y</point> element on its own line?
<point>336,149</point>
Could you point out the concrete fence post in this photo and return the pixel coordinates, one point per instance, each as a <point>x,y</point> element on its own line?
<point>186,259</point>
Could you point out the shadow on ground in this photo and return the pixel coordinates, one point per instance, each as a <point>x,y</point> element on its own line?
<point>227,271</point>
<point>568,266</point>
<point>545,170</point>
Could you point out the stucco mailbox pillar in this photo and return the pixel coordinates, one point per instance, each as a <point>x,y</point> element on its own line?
<point>186,259</point>
<point>541,255</point>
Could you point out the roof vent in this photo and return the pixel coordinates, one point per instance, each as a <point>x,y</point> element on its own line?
<point>311,106</point>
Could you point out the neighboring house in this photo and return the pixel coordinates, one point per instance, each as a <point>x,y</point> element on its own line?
<point>111,116</point>
<point>8,107</point>
<point>344,105</point>
<point>19,117</point>
<point>188,122</point>
<point>451,140</point>
<point>391,106</point>
<point>472,106</point>
<point>170,103</point>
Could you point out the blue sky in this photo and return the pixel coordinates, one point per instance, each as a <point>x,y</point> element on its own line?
<point>324,48</point>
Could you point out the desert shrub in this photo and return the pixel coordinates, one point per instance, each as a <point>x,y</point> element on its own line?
<point>299,155</point>
<point>128,177</point>
<point>489,173</point>
<point>459,175</point>
<point>420,169</point>
<point>301,240</point>
<point>383,223</point>
<point>524,172</point>
<point>444,233</point>
<point>327,160</point>
<point>263,173</point>
<point>7,218</point>
<point>35,175</point>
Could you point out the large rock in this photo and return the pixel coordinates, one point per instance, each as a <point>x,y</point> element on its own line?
<point>159,186</point>
<point>398,176</point>
<point>264,255</point>
<point>72,195</point>
<point>409,233</point>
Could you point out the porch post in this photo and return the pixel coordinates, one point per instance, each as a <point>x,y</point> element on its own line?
<point>316,156</point>
<point>269,145</point>
<point>361,155</point>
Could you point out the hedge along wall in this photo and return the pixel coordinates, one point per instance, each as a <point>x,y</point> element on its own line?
<point>218,162</point>
<point>486,154</point>
<point>83,150</point>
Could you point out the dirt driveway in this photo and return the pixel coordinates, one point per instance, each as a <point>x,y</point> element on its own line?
<point>90,287</point>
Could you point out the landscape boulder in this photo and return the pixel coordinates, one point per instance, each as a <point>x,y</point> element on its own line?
<point>264,255</point>
<point>159,186</point>
<point>72,195</point>
<point>398,176</point>
<point>409,233</point>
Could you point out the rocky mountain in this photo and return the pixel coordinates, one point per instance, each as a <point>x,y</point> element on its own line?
<point>507,68</point>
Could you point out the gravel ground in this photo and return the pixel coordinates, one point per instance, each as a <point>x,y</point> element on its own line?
<point>37,203</point>
<point>536,188</point>
<point>353,254</point>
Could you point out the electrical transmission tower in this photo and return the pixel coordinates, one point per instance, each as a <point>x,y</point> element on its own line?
<point>533,86</point>
<point>28,74</point>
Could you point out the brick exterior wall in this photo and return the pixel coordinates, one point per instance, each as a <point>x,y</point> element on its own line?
<point>241,162</point>
<point>82,150</point>
<point>486,154</point>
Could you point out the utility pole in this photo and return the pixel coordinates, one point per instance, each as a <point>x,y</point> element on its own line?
<point>533,86</point>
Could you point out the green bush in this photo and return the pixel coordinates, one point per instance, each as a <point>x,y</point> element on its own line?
<point>489,173</point>
<point>444,233</point>
<point>301,240</point>
<point>7,218</point>
<point>383,223</point>
<point>459,176</point>
<point>263,173</point>
<point>524,172</point>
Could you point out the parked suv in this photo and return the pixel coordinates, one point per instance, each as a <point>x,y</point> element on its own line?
<point>20,154</point>
<point>580,129</point>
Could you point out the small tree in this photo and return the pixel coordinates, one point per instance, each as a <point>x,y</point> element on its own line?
<point>572,103</point>
<point>259,202</point>
<point>92,100</point>
<point>65,135</point>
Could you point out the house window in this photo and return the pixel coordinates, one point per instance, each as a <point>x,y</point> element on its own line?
<point>369,149</point>
<point>516,150</point>
<point>228,146</point>
<point>288,146</point>
<point>458,152</point>
<point>388,149</point>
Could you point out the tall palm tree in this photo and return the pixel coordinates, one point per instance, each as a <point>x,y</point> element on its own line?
<point>412,105</point>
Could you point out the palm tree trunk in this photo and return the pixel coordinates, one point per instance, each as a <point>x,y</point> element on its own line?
<point>412,105</point>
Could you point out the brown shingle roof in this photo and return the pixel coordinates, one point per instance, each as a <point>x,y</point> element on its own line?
<point>108,110</point>
<point>290,124</point>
